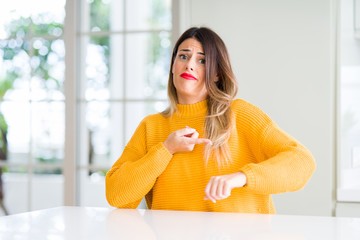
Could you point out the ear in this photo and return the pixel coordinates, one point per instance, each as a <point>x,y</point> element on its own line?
<point>217,78</point>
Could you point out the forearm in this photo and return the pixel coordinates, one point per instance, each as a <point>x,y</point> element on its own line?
<point>130,180</point>
<point>287,171</point>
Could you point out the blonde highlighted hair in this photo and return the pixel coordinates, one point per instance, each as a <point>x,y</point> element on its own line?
<point>221,86</point>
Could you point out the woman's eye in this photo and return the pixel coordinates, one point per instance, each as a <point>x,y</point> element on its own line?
<point>202,61</point>
<point>182,56</point>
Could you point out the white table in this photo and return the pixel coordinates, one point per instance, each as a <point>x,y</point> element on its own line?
<point>107,223</point>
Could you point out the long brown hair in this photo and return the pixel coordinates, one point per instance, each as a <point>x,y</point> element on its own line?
<point>221,86</point>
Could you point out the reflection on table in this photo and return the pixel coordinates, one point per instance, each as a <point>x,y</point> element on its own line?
<point>107,223</point>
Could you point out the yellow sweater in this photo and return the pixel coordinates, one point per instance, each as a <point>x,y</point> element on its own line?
<point>272,161</point>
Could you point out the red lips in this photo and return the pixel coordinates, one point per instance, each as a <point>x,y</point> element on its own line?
<point>188,76</point>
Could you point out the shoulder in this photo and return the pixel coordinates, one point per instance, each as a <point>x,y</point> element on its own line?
<point>153,123</point>
<point>244,111</point>
<point>242,106</point>
<point>153,120</point>
<point>154,117</point>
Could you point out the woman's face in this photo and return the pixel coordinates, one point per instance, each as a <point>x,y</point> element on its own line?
<point>189,72</point>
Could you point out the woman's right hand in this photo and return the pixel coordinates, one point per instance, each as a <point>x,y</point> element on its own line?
<point>184,140</point>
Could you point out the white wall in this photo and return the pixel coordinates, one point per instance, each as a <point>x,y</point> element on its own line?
<point>282,53</point>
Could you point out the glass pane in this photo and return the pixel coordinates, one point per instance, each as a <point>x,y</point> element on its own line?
<point>99,12</point>
<point>104,134</point>
<point>350,127</point>
<point>97,68</point>
<point>92,188</point>
<point>15,70</point>
<point>104,68</point>
<point>47,18</point>
<point>136,111</point>
<point>147,65</point>
<point>103,15</point>
<point>14,20</point>
<point>48,68</point>
<point>153,14</point>
<point>15,186</point>
<point>17,119</point>
<point>47,189</point>
<point>48,131</point>
<point>349,100</point>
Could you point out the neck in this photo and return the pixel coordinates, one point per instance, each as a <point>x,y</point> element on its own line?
<point>191,110</point>
<point>190,100</point>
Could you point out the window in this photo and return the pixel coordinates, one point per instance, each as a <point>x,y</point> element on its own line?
<point>32,119</point>
<point>349,114</point>
<point>122,70</point>
<point>124,62</point>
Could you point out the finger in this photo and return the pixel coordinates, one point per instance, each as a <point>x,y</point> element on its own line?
<point>192,135</point>
<point>227,190</point>
<point>195,135</point>
<point>219,190</point>
<point>213,188</point>
<point>207,191</point>
<point>185,131</point>
<point>207,198</point>
<point>211,199</point>
<point>208,186</point>
<point>199,141</point>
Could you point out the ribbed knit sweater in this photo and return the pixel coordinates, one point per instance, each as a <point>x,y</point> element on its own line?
<point>272,161</point>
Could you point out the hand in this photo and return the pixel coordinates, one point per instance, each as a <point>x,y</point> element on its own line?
<point>184,140</point>
<point>219,187</point>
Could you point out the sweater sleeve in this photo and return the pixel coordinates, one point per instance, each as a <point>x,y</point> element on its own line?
<point>283,164</point>
<point>134,174</point>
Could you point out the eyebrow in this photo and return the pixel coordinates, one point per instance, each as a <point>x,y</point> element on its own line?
<point>188,50</point>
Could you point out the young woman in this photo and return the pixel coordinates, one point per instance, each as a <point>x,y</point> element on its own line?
<point>207,151</point>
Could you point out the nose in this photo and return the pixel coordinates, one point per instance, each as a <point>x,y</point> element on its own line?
<point>190,64</point>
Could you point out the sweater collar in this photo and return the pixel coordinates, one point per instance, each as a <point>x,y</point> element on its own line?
<point>196,109</point>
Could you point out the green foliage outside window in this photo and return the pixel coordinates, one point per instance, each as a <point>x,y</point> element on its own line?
<point>18,46</point>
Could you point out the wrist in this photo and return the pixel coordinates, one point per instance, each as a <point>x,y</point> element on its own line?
<point>243,178</point>
<point>168,148</point>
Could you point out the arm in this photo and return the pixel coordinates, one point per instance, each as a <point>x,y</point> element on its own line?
<point>135,172</point>
<point>282,164</point>
<point>286,164</point>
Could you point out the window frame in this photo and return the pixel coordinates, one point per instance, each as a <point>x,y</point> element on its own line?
<point>73,82</point>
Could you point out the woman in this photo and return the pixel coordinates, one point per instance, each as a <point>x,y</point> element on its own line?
<point>207,151</point>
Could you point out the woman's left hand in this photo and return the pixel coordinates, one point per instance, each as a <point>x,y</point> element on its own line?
<point>219,187</point>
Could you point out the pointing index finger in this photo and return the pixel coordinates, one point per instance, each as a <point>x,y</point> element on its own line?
<point>199,141</point>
